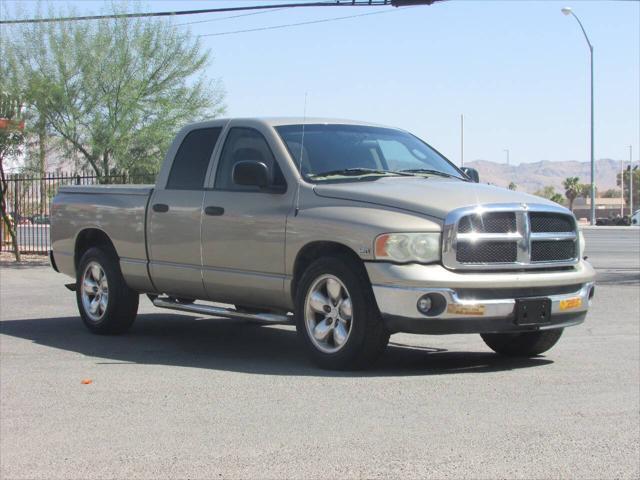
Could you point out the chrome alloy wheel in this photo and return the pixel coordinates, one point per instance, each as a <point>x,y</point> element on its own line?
<point>95,291</point>
<point>328,313</point>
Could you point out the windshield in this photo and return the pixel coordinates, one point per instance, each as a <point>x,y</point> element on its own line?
<point>352,151</point>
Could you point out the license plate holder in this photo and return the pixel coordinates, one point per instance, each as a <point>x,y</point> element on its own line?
<point>533,311</point>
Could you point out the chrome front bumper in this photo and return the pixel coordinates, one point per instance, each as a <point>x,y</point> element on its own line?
<point>397,298</point>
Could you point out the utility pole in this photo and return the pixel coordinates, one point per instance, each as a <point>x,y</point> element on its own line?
<point>462,140</point>
<point>630,182</point>
<point>622,188</point>
<point>507,150</point>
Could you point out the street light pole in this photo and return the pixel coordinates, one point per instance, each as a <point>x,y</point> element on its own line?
<point>507,150</point>
<point>568,11</point>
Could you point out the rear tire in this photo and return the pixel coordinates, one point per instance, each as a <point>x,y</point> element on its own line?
<point>106,304</point>
<point>526,344</point>
<point>337,317</point>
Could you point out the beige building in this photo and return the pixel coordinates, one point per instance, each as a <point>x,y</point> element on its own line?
<point>605,207</point>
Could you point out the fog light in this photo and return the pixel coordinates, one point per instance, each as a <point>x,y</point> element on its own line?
<point>431,304</point>
<point>424,304</point>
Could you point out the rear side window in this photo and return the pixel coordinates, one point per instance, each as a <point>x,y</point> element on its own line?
<point>190,163</point>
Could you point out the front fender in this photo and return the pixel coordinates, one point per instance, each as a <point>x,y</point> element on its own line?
<point>355,226</point>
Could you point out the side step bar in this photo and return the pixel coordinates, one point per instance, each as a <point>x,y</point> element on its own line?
<point>268,318</point>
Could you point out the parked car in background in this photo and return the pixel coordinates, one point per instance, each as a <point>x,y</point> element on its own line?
<point>618,221</point>
<point>40,220</point>
<point>351,231</point>
<point>635,218</point>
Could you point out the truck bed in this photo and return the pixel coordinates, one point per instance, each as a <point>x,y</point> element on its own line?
<point>117,210</point>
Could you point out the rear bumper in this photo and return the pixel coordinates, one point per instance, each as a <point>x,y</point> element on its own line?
<point>491,306</point>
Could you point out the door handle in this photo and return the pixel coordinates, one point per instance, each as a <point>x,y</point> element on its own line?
<point>214,211</point>
<point>160,207</point>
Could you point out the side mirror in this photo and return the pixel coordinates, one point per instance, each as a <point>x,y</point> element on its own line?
<point>472,173</point>
<point>251,173</point>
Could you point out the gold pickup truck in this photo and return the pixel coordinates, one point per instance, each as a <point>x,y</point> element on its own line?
<point>351,231</point>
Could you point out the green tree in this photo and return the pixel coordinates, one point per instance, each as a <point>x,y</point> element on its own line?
<point>611,193</point>
<point>571,189</point>
<point>36,133</point>
<point>116,90</point>
<point>636,186</point>
<point>558,198</point>
<point>547,192</point>
<point>11,143</point>
<point>512,186</point>
<point>584,190</point>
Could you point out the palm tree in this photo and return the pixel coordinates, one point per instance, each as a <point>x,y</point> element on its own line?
<point>572,189</point>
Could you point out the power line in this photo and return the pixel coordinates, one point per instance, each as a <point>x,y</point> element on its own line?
<point>228,18</point>
<point>287,25</point>
<point>334,3</point>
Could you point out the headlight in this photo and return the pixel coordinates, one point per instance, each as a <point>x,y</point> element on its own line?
<point>582,244</point>
<point>408,247</point>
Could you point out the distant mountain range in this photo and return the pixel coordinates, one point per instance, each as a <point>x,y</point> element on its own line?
<point>530,177</point>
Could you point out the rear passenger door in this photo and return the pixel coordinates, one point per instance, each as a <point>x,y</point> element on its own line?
<point>175,215</point>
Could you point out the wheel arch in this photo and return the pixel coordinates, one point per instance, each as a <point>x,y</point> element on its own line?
<point>318,249</point>
<point>88,238</point>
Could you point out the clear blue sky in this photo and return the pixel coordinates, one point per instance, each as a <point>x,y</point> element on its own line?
<point>518,71</point>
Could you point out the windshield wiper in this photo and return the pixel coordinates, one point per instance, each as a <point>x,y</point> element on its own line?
<point>354,172</point>
<point>429,171</point>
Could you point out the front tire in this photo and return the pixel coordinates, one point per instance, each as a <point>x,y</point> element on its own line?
<point>526,344</point>
<point>337,317</point>
<point>106,304</point>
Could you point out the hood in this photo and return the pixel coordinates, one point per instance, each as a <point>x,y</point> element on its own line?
<point>432,196</point>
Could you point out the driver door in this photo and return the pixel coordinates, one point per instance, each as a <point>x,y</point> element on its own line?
<point>243,227</point>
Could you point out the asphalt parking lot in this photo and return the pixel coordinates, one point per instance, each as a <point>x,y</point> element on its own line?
<point>188,397</point>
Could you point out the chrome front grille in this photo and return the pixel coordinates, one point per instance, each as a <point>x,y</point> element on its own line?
<point>497,222</point>
<point>550,222</point>
<point>487,252</point>
<point>552,250</point>
<point>509,236</point>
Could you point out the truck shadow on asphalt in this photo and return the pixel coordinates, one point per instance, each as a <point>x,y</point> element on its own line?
<point>231,345</point>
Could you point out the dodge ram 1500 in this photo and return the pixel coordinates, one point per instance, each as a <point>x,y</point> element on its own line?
<point>351,231</point>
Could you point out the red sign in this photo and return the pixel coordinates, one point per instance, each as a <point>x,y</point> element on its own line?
<point>6,124</point>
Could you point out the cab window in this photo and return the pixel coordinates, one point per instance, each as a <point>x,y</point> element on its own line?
<point>245,144</point>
